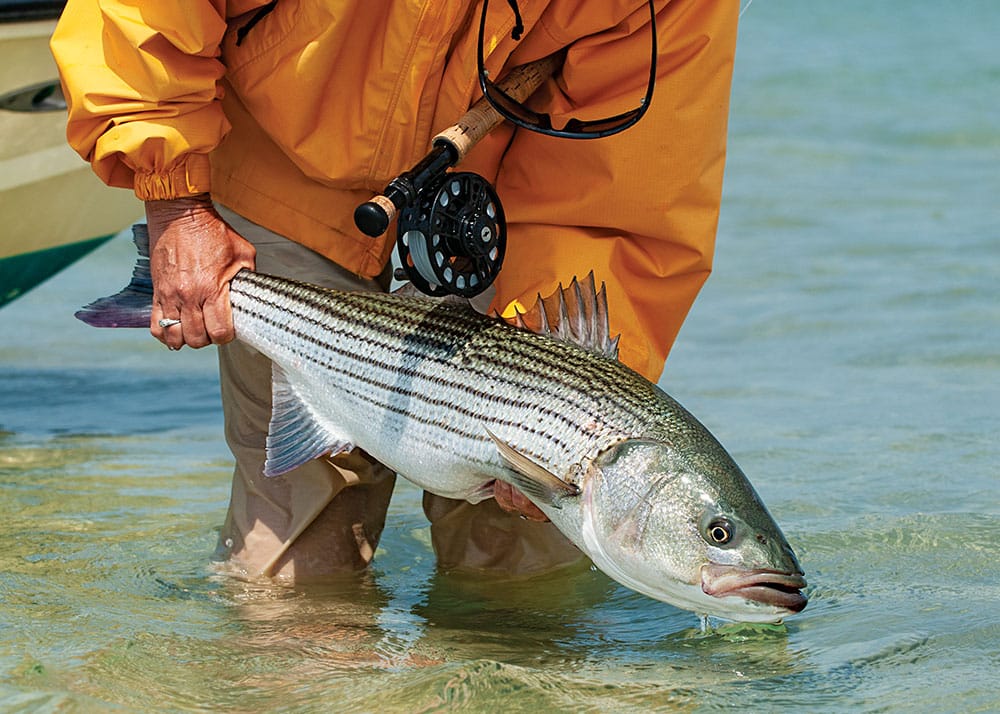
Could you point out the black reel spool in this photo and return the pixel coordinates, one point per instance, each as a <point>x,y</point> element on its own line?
<point>452,240</point>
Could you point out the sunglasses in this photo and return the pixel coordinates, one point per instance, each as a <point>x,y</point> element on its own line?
<point>520,115</point>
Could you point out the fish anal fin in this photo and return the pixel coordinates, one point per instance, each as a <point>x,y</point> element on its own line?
<point>296,435</point>
<point>531,478</point>
<point>576,314</point>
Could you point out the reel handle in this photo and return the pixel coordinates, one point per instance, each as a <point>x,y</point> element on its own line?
<point>450,146</point>
<point>373,217</point>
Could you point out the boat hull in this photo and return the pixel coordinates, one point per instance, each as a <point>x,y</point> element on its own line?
<point>53,210</point>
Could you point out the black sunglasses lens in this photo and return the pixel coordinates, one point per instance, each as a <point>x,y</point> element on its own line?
<point>521,115</point>
<point>604,127</point>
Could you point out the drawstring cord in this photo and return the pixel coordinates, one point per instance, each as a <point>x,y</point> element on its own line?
<point>518,30</point>
<point>241,33</point>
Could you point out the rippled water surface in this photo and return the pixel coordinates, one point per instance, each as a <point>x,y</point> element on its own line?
<point>846,350</point>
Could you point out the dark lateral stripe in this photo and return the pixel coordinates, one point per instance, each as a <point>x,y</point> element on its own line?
<point>542,397</point>
<point>556,399</point>
<point>397,340</point>
<point>400,316</point>
<point>503,377</point>
<point>448,332</point>
<point>579,369</point>
<point>367,376</point>
<point>457,327</point>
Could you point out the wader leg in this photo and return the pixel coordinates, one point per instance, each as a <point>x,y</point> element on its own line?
<point>325,516</point>
<point>484,538</point>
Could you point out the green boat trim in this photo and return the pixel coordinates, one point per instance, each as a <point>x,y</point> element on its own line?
<point>20,273</point>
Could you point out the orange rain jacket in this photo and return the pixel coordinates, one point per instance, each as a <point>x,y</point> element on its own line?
<point>297,118</point>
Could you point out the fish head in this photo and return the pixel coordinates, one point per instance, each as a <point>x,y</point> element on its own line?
<point>688,531</point>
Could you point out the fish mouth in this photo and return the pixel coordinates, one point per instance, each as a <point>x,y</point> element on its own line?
<point>769,587</point>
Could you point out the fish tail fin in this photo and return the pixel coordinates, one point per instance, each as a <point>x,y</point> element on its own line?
<point>133,305</point>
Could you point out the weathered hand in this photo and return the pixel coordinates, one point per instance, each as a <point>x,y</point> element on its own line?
<point>193,256</point>
<point>513,501</point>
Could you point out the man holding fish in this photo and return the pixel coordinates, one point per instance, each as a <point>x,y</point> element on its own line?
<point>252,130</point>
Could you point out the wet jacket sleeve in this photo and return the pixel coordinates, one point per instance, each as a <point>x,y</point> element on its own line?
<point>639,208</point>
<point>141,82</point>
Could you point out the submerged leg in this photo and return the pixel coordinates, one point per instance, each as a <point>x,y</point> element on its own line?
<point>324,517</point>
<point>327,515</point>
<point>484,538</point>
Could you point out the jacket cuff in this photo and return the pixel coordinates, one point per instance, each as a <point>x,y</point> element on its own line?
<point>188,178</point>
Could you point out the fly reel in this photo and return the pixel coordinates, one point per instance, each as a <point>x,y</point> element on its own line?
<point>452,239</point>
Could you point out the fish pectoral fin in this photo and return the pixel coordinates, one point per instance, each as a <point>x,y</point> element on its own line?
<point>532,479</point>
<point>295,435</point>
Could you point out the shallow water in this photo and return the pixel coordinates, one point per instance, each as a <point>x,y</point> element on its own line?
<point>846,351</point>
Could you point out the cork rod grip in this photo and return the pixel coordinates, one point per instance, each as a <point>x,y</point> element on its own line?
<point>519,84</point>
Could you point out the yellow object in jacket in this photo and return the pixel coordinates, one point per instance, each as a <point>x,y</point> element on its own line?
<point>293,112</point>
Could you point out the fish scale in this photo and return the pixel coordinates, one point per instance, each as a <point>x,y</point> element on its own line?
<point>411,376</point>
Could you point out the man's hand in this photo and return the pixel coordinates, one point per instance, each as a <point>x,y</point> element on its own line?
<point>193,254</point>
<point>513,501</point>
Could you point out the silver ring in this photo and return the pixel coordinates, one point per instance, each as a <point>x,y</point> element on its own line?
<point>166,322</point>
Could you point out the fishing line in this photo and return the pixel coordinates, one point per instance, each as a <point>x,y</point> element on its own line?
<point>416,242</point>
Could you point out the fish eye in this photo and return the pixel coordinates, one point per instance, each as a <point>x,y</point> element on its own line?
<point>720,531</point>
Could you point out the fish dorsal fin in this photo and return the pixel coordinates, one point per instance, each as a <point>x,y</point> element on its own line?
<point>531,478</point>
<point>295,435</point>
<point>577,314</point>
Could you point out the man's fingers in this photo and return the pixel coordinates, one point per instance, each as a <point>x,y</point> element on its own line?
<point>199,326</point>
<point>513,501</point>
<point>169,334</point>
<point>528,509</point>
<point>193,256</point>
<point>192,327</point>
<point>219,319</point>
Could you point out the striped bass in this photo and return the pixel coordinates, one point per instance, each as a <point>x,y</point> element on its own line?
<point>454,400</point>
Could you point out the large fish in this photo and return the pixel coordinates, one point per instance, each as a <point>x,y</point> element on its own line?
<point>454,400</point>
